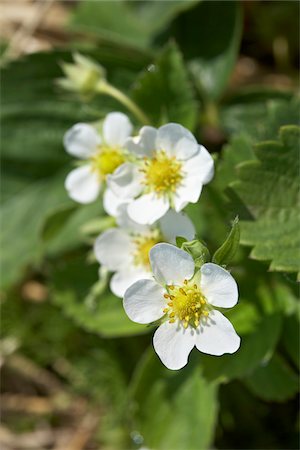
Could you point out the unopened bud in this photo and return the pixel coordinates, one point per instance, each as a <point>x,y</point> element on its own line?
<point>82,76</point>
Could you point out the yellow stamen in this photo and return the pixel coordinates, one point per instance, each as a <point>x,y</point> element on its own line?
<point>163,173</point>
<point>143,245</point>
<point>188,304</point>
<point>107,160</point>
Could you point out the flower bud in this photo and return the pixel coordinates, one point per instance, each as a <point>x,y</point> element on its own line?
<point>82,76</point>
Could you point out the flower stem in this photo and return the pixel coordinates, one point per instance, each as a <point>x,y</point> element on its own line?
<point>106,88</point>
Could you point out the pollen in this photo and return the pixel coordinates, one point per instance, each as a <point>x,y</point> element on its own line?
<point>188,304</point>
<point>107,160</point>
<point>162,173</point>
<point>143,245</point>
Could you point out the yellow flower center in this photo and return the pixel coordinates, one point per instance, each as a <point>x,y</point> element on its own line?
<point>143,245</point>
<point>163,173</point>
<point>186,303</point>
<point>107,160</point>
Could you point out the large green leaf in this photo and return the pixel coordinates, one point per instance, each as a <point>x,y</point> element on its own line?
<point>238,149</point>
<point>259,115</point>
<point>135,23</point>
<point>274,381</point>
<point>212,213</point>
<point>210,38</point>
<point>256,346</point>
<point>268,187</point>
<point>172,410</point>
<point>291,337</point>
<point>164,90</point>
<point>23,215</point>
<point>71,282</point>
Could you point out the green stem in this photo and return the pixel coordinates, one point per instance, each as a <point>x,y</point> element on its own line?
<point>211,114</point>
<point>106,88</point>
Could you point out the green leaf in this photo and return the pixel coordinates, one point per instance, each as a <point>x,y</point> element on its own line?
<point>212,39</point>
<point>259,116</point>
<point>72,281</point>
<point>268,188</point>
<point>172,410</point>
<point>256,347</point>
<point>71,234</point>
<point>290,337</point>
<point>56,221</point>
<point>226,252</point>
<point>239,149</point>
<point>164,91</point>
<point>135,23</point>
<point>273,381</point>
<point>24,215</point>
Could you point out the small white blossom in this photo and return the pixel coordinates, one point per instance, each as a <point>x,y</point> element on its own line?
<point>185,301</point>
<point>125,250</point>
<point>170,171</point>
<point>103,154</point>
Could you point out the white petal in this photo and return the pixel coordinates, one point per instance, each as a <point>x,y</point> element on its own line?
<point>176,224</point>
<point>116,129</point>
<point>177,141</point>
<point>201,165</point>
<point>113,249</point>
<point>122,280</point>
<point>82,140</point>
<point>143,144</point>
<point>83,185</point>
<point>148,208</point>
<point>144,301</point>
<point>170,265</point>
<point>218,286</point>
<point>112,203</point>
<point>125,222</point>
<point>125,182</point>
<point>173,344</point>
<point>188,192</point>
<point>216,335</point>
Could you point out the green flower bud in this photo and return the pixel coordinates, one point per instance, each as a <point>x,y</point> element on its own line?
<point>197,250</point>
<point>82,76</point>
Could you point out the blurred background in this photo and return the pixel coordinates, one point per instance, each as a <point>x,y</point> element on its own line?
<point>76,374</point>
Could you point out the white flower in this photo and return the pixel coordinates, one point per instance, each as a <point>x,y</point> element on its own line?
<point>187,302</point>
<point>125,250</point>
<point>170,172</point>
<point>112,203</point>
<point>103,154</point>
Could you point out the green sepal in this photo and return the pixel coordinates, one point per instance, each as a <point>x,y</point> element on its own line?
<point>226,252</point>
<point>180,240</point>
<point>197,250</point>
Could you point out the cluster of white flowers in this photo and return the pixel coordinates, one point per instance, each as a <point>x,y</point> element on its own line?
<point>146,181</point>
